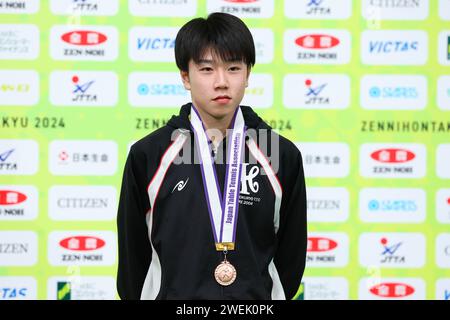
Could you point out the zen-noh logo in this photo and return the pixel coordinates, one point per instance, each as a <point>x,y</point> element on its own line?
<point>320,244</point>
<point>84,38</point>
<point>9,197</point>
<point>243,8</point>
<point>392,290</point>
<point>393,160</point>
<point>317,41</point>
<point>82,248</point>
<point>82,243</point>
<point>317,46</point>
<point>327,249</point>
<point>393,155</point>
<point>90,43</point>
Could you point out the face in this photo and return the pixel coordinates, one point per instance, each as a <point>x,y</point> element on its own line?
<point>217,87</point>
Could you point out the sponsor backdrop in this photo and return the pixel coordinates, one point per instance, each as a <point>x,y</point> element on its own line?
<point>362,88</point>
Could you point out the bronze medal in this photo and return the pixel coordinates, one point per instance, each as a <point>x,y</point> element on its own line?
<point>225,273</point>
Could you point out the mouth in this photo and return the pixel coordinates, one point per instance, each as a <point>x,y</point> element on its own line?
<point>222,99</point>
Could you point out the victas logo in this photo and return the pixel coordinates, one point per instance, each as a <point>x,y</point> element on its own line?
<point>394,47</point>
<point>317,46</point>
<point>84,7</point>
<point>81,248</point>
<point>152,44</point>
<point>90,43</point>
<point>327,249</point>
<point>443,289</point>
<point>317,9</point>
<point>243,8</point>
<point>392,161</point>
<point>17,288</point>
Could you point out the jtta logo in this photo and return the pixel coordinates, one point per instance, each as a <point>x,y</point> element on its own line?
<point>389,251</point>
<point>80,90</point>
<point>312,93</point>
<point>7,166</point>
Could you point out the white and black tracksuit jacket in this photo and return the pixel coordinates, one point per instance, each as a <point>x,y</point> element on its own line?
<point>166,243</point>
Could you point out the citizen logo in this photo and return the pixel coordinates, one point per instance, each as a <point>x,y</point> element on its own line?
<point>82,203</point>
<point>13,248</point>
<point>323,204</point>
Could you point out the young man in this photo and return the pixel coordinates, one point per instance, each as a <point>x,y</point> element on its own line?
<point>213,205</point>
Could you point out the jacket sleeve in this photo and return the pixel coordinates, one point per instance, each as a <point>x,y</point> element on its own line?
<point>290,254</point>
<point>133,242</point>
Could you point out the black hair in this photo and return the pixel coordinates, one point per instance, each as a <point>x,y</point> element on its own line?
<point>226,35</point>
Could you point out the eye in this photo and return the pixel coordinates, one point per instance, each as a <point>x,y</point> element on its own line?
<point>235,68</point>
<point>206,69</point>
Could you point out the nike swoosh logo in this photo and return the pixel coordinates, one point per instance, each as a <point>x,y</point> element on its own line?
<point>180,185</point>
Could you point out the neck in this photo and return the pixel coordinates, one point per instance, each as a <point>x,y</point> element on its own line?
<point>212,125</point>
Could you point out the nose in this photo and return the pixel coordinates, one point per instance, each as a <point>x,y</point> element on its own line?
<point>220,81</point>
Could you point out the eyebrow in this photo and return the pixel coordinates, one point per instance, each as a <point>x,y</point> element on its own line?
<point>208,61</point>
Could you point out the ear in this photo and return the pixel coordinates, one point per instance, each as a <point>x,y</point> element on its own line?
<point>185,78</point>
